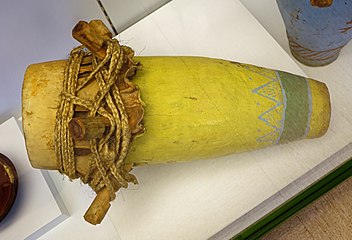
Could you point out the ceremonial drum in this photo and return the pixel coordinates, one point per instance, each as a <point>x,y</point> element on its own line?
<point>195,108</point>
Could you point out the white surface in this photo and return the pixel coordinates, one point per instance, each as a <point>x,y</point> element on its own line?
<point>35,206</point>
<point>35,31</point>
<point>77,198</point>
<point>124,13</point>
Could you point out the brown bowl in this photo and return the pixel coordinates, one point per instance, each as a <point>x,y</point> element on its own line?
<point>8,185</point>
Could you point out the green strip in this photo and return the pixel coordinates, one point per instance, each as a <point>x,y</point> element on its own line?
<point>297,203</point>
<point>297,106</point>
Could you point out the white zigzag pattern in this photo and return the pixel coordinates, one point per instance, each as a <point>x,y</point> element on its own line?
<point>271,92</point>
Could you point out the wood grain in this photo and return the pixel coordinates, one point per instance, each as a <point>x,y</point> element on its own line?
<point>329,217</point>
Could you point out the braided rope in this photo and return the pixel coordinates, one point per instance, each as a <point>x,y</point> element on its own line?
<point>108,153</point>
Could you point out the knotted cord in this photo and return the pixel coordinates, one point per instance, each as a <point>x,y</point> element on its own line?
<point>106,165</point>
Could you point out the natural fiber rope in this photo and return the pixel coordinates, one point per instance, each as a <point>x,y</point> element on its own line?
<point>108,153</point>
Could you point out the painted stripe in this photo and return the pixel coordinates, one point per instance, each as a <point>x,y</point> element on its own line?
<point>284,110</point>
<point>297,107</point>
<point>310,110</point>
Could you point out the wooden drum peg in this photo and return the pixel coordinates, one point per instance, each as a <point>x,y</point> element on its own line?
<point>101,29</point>
<point>101,203</point>
<point>89,38</point>
<point>93,36</point>
<point>87,128</point>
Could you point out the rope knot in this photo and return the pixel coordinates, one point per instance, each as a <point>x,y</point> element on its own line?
<point>107,155</point>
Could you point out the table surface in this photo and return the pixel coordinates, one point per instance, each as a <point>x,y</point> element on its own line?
<point>185,196</point>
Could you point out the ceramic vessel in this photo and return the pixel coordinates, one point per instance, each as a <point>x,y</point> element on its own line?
<point>317,33</point>
<point>8,185</point>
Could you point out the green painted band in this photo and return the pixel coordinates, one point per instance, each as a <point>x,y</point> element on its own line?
<point>297,110</point>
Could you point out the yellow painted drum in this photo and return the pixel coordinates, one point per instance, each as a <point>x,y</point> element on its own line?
<point>195,108</point>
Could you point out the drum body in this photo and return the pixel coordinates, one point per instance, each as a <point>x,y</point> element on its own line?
<point>195,108</point>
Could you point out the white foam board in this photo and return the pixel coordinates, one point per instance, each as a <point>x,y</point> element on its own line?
<point>35,210</point>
